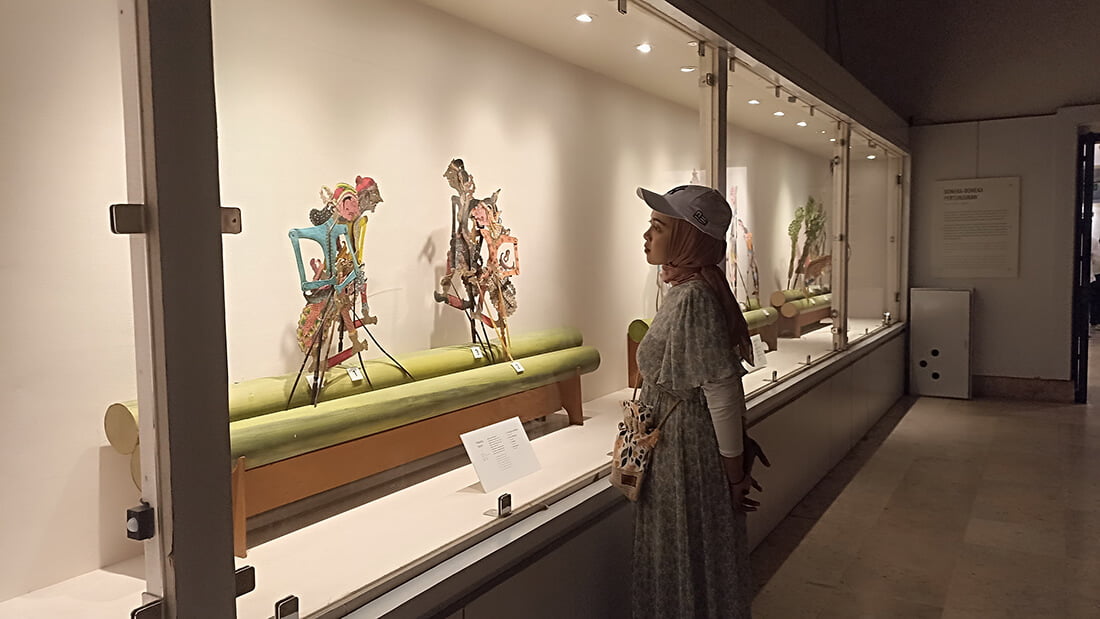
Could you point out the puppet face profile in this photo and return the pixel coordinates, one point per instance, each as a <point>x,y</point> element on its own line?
<point>347,202</point>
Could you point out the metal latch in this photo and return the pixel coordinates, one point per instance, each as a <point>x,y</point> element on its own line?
<point>130,219</point>
<point>141,522</point>
<point>245,580</point>
<point>152,610</point>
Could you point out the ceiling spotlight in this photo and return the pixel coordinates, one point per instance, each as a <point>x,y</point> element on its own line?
<point>585,18</point>
<point>753,102</point>
<point>687,69</point>
<point>832,139</point>
<point>801,123</point>
<point>822,131</point>
<point>645,48</point>
<point>779,114</point>
<point>870,156</point>
<point>693,43</point>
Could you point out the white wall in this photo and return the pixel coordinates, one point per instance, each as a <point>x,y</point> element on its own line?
<point>1021,325</point>
<point>868,236</point>
<point>69,335</point>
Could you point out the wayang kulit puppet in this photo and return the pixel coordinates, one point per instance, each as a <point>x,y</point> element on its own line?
<point>335,288</point>
<point>734,273</point>
<point>482,258</point>
<point>807,266</point>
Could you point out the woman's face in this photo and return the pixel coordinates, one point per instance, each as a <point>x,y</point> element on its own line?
<point>656,238</point>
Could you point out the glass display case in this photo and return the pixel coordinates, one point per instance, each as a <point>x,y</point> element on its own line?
<point>441,232</point>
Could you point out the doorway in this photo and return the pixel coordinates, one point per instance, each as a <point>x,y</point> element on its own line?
<point>1086,267</point>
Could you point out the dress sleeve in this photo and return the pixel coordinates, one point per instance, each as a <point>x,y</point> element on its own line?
<point>699,347</point>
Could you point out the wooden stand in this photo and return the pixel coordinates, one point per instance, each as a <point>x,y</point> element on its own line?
<point>280,483</point>
<point>793,326</point>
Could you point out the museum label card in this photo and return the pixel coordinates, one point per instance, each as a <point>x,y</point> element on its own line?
<point>977,228</point>
<point>759,354</point>
<point>501,453</point>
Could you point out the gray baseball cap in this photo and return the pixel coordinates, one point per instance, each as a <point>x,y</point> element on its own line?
<point>703,207</point>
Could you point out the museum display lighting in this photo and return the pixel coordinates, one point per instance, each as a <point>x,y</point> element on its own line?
<point>871,156</point>
<point>778,114</point>
<point>753,102</point>
<point>832,139</point>
<point>645,48</point>
<point>693,43</point>
<point>687,69</point>
<point>585,18</point>
<point>801,123</point>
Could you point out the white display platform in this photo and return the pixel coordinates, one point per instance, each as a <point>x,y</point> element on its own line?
<point>356,550</point>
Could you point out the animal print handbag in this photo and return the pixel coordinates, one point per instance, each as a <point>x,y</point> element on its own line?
<point>634,446</point>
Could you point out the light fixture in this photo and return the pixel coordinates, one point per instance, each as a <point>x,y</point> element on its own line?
<point>687,69</point>
<point>832,139</point>
<point>693,43</point>
<point>870,156</point>
<point>753,102</point>
<point>801,123</point>
<point>778,114</point>
<point>645,48</point>
<point>822,132</point>
<point>585,18</point>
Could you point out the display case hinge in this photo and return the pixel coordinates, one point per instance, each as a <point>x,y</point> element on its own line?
<point>150,610</point>
<point>709,79</point>
<point>897,297</point>
<point>899,179</point>
<point>130,219</point>
<point>622,6</point>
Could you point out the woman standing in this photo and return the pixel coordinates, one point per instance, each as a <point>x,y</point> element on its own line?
<point>690,544</point>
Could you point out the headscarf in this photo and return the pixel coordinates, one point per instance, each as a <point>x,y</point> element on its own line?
<point>696,255</point>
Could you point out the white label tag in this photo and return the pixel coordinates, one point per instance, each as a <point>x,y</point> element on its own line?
<point>501,453</point>
<point>355,374</point>
<point>518,367</point>
<point>759,354</point>
<point>476,350</point>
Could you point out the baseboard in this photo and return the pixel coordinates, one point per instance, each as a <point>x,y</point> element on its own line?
<point>1023,388</point>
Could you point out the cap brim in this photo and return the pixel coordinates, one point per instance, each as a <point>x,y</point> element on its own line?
<point>657,202</point>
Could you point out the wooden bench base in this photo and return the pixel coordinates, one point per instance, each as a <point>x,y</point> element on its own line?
<point>267,487</point>
<point>795,325</point>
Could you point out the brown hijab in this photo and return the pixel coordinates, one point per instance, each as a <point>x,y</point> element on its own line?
<point>696,255</point>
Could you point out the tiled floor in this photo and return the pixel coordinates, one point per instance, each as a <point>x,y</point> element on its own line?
<point>954,509</point>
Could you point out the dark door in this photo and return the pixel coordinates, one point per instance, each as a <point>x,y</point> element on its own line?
<point>1082,265</point>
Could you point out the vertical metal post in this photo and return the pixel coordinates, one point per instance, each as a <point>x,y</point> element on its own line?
<point>894,197</point>
<point>841,249</point>
<point>179,305</point>
<point>713,98</point>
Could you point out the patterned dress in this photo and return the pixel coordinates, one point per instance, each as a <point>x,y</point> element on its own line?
<point>690,545</point>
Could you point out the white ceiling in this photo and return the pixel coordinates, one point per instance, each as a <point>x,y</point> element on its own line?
<point>607,46</point>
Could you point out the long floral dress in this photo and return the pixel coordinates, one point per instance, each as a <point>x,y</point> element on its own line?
<point>690,545</point>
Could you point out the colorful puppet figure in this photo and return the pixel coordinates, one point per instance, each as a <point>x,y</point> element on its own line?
<point>734,273</point>
<point>807,266</point>
<point>336,287</point>
<point>482,258</point>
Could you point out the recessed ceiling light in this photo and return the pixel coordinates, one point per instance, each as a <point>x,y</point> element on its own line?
<point>687,69</point>
<point>778,114</point>
<point>585,18</point>
<point>801,123</point>
<point>693,43</point>
<point>645,48</point>
<point>822,132</point>
<point>753,102</point>
<point>870,156</point>
<point>832,139</point>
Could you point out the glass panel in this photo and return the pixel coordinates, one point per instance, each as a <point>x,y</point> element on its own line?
<point>332,114</point>
<point>780,184</point>
<point>872,266</point>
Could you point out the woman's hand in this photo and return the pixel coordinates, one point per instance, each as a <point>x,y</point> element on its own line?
<point>741,483</point>
<point>739,492</point>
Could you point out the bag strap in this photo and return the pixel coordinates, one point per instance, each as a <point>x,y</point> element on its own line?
<point>634,398</point>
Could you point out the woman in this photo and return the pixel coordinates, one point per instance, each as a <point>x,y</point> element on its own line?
<point>690,544</point>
